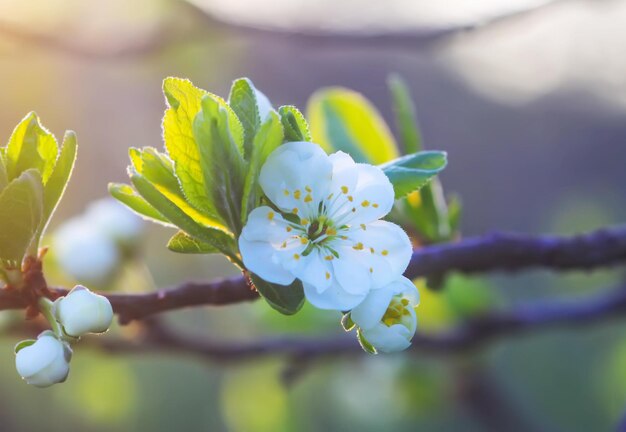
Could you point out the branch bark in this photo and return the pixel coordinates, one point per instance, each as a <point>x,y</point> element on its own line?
<point>495,252</point>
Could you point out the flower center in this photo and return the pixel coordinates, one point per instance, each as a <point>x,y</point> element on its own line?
<point>398,312</point>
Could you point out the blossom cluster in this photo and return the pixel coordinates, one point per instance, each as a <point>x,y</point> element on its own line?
<point>323,226</point>
<point>46,361</point>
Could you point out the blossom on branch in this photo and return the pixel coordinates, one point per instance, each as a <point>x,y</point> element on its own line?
<point>323,227</point>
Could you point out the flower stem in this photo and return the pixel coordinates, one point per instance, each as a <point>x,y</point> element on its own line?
<point>45,306</point>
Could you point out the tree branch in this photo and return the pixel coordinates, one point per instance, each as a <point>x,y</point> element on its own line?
<point>471,335</point>
<point>508,252</point>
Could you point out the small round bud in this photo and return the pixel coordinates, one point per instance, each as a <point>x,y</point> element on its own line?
<point>83,311</point>
<point>387,316</point>
<point>45,362</point>
<point>115,221</point>
<point>84,252</point>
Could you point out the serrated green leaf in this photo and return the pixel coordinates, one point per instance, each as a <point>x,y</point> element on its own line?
<point>411,172</point>
<point>294,124</point>
<point>286,299</point>
<point>23,344</point>
<point>342,119</point>
<point>60,176</point>
<point>183,243</point>
<point>347,323</point>
<point>223,167</point>
<point>178,217</point>
<point>243,101</point>
<point>404,111</point>
<point>158,169</point>
<point>184,104</point>
<point>31,146</point>
<point>269,137</point>
<point>367,347</point>
<point>129,197</point>
<point>21,210</point>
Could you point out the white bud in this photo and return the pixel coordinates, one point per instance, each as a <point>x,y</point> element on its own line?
<point>82,311</point>
<point>115,221</point>
<point>387,316</point>
<point>45,362</point>
<point>84,252</point>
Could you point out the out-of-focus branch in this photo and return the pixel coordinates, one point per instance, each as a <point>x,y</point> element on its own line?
<point>168,34</point>
<point>508,252</point>
<point>473,334</point>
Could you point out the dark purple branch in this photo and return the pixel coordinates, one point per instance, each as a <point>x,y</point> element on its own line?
<point>508,252</point>
<point>473,334</point>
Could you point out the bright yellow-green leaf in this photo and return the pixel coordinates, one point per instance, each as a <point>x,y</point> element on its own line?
<point>128,196</point>
<point>4,180</point>
<point>31,146</point>
<point>184,104</point>
<point>342,119</point>
<point>183,243</point>
<point>21,210</point>
<point>56,184</point>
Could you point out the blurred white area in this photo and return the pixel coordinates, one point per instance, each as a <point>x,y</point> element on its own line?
<point>91,247</point>
<point>363,16</point>
<point>577,44</point>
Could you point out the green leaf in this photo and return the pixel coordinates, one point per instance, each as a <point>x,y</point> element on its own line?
<point>286,299</point>
<point>128,196</point>
<point>158,169</point>
<point>404,111</point>
<point>243,100</point>
<point>23,344</point>
<point>4,179</point>
<point>269,137</point>
<point>295,126</point>
<point>346,322</point>
<point>223,167</point>
<point>367,347</point>
<point>31,146</point>
<point>21,210</point>
<point>183,243</point>
<point>178,217</point>
<point>413,171</point>
<point>428,211</point>
<point>60,176</point>
<point>455,208</point>
<point>342,119</point>
<point>184,104</point>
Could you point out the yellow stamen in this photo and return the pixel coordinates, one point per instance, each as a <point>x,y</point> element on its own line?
<point>363,227</point>
<point>284,245</point>
<point>358,246</point>
<point>350,198</point>
<point>295,210</point>
<point>308,189</point>
<point>365,203</point>
<point>296,194</point>
<point>270,215</point>
<point>308,198</point>
<point>286,192</point>
<point>327,275</point>
<point>328,257</point>
<point>344,189</point>
<point>304,221</point>
<point>385,252</point>
<point>372,250</point>
<point>303,240</point>
<point>331,231</point>
<point>375,205</point>
<point>296,257</point>
<point>288,229</point>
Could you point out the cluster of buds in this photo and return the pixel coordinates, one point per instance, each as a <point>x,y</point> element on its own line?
<point>45,361</point>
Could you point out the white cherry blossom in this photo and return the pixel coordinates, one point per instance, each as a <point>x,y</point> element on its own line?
<point>324,228</point>
<point>82,311</point>
<point>387,316</point>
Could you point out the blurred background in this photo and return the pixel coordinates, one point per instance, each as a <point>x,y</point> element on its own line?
<point>528,97</point>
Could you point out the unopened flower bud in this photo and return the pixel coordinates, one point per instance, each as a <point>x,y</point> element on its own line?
<point>386,317</point>
<point>83,311</point>
<point>45,361</point>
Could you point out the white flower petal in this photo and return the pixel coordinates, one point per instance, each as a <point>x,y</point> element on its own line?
<point>297,176</point>
<point>351,271</point>
<point>391,247</point>
<point>259,258</point>
<point>43,363</point>
<point>333,298</point>
<point>370,312</point>
<point>82,311</point>
<point>389,339</point>
<point>265,224</point>
<point>315,270</point>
